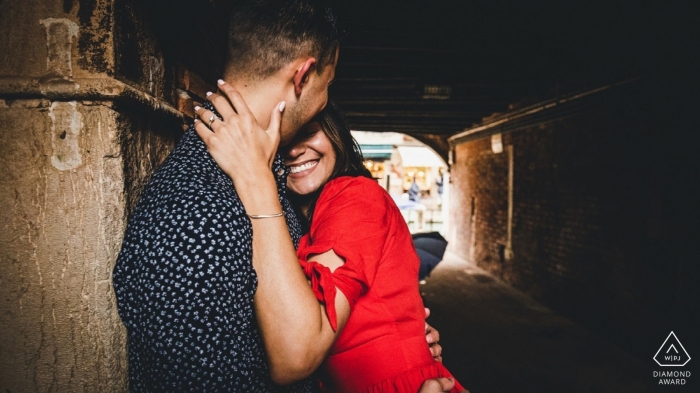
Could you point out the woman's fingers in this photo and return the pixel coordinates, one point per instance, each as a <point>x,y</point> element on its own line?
<point>273,130</point>
<point>207,117</point>
<point>237,141</point>
<point>235,98</point>
<point>203,131</point>
<point>222,105</point>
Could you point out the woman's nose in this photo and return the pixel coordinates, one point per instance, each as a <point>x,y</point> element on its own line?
<point>296,151</point>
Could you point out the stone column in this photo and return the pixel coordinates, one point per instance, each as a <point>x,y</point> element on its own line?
<point>76,144</point>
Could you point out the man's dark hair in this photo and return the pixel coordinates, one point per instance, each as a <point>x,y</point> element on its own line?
<point>264,35</point>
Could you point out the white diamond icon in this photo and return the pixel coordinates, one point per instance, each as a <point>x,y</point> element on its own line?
<point>672,353</point>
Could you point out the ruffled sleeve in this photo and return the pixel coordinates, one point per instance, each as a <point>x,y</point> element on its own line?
<point>324,284</point>
<point>351,218</point>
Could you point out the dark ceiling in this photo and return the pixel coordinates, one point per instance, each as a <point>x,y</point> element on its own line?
<point>484,55</point>
<point>436,67</point>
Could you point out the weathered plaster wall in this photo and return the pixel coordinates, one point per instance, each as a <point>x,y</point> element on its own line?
<point>62,219</point>
<point>81,29</point>
<point>76,147</point>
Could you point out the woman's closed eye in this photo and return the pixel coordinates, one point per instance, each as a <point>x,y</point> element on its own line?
<point>307,133</point>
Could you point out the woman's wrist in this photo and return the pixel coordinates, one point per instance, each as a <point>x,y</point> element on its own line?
<point>258,193</point>
<point>254,173</point>
<point>254,180</point>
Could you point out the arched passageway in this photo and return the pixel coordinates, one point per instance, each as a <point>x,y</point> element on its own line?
<point>413,174</point>
<point>564,201</point>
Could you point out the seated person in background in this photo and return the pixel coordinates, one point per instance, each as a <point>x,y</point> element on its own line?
<point>414,191</point>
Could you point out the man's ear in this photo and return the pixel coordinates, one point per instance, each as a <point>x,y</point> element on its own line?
<point>301,76</point>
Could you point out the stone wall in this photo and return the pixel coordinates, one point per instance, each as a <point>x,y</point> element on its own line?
<point>77,143</point>
<point>62,222</point>
<point>603,211</point>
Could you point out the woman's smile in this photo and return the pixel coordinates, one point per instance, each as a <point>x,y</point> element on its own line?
<point>310,159</point>
<point>302,168</point>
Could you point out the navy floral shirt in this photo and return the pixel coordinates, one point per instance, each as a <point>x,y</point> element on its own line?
<point>184,281</point>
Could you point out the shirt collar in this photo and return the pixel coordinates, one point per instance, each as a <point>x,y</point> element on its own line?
<point>280,171</point>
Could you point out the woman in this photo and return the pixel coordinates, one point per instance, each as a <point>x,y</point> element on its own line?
<point>357,254</point>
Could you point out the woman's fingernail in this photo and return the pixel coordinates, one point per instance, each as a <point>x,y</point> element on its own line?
<point>430,339</point>
<point>282,105</point>
<point>220,81</point>
<point>196,108</point>
<point>195,120</point>
<point>208,94</point>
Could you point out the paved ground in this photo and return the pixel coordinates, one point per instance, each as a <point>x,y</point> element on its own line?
<point>496,340</point>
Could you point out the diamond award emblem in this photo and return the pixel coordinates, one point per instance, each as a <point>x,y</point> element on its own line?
<point>672,353</point>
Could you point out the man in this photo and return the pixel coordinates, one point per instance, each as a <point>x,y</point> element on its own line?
<point>184,280</point>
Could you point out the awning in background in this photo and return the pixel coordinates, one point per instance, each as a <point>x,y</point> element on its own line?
<point>419,156</point>
<point>376,152</point>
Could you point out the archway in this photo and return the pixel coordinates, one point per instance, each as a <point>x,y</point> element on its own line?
<point>413,173</point>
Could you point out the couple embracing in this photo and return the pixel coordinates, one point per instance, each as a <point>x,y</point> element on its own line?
<point>261,256</point>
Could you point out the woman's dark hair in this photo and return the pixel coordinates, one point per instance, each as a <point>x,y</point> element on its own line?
<point>348,156</point>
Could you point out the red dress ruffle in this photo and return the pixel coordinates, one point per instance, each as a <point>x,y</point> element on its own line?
<point>407,381</point>
<point>382,347</point>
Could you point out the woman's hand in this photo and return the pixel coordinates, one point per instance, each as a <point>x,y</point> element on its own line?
<point>238,144</point>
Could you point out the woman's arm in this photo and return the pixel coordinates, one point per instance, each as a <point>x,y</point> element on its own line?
<point>294,326</point>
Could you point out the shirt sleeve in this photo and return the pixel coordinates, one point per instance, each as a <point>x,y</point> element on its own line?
<point>352,218</point>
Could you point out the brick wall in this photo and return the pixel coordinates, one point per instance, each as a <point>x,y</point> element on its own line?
<point>603,214</point>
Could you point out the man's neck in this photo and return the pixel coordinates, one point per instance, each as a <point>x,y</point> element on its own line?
<point>259,97</point>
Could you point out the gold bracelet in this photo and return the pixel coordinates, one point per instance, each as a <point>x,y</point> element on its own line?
<point>265,215</point>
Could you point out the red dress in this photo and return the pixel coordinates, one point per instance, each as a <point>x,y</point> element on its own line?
<point>382,347</point>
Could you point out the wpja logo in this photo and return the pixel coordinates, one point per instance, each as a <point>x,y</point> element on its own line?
<point>672,354</point>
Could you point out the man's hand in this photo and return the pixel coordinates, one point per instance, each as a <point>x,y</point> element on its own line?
<point>433,336</point>
<point>437,385</point>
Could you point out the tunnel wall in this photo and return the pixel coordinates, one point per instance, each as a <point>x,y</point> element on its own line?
<point>603,212</point>
<point>62,221</point>
<point>78,140</point>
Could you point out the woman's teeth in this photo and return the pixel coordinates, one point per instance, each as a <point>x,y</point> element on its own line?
<point>302,167</point>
